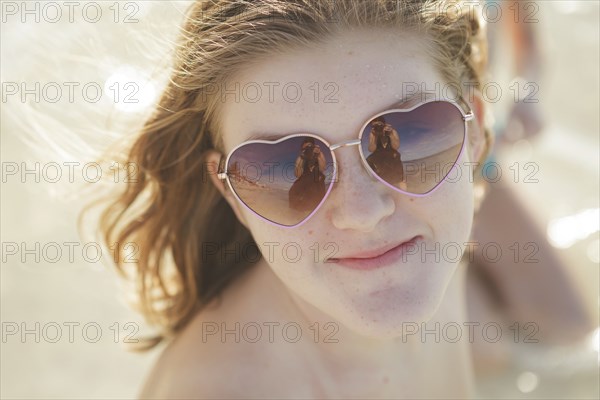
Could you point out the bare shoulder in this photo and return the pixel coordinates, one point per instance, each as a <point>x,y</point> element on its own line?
<point>193,364</point>
<point>189,368</point>
<point>213,358</point>
<point>226,366</point>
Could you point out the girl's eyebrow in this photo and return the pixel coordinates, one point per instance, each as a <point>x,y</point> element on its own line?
<point>407,100</point>
<point>268,136</point>
<point>413,98</point>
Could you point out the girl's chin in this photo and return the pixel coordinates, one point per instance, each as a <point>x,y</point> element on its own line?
<point>388,322</point>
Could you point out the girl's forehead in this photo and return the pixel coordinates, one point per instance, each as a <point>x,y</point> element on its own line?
<point>351,53</point>
<point>327,90</point>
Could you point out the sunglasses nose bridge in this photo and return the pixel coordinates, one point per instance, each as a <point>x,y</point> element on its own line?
<point>352,142</point>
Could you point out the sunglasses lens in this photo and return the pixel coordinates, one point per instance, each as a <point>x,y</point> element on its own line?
<point>283,182</point>
<point>415,150</point>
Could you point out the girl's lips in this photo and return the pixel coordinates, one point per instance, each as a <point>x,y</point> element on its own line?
<point>388,258</point>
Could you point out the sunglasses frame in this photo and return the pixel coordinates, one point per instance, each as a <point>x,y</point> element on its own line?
<point>466,116</point>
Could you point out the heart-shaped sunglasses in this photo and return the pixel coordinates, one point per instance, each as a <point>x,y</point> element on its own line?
<point>286,181</point>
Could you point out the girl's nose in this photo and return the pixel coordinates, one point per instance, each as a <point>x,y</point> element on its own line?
<point>358,200</point>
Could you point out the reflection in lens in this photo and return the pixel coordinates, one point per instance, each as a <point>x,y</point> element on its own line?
<point>414,150</point>
<point>309,188</point>
<point>385,160</point>
<point>283,182</point>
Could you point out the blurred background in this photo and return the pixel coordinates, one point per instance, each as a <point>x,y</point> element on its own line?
<point>78,75</point>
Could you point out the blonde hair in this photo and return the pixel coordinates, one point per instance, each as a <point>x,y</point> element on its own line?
<point>172,209</point>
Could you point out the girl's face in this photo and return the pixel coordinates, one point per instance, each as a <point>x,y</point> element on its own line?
<point>343,83</point>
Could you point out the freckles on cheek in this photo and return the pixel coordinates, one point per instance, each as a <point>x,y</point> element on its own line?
<point>460,209</point>
<point>449,211</point>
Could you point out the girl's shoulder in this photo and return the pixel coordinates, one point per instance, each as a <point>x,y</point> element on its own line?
<point>196,363</point>
<point>199,364</point>
<point>212,357</point>
<point>191,366</point>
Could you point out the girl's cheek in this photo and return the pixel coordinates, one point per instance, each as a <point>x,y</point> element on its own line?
<point>449,210</point>
<point>456,206</point>
<point>281,247</point>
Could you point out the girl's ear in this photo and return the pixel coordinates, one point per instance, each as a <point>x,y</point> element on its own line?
<point>476,128</point>
<point>212,159</point>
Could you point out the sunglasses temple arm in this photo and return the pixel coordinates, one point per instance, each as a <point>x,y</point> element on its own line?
<point>469,115</point>
<point>221,174</point>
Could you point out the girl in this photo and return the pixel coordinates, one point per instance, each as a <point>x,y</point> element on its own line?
<point>264,301</point>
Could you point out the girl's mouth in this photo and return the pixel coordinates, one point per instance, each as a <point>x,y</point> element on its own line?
<point>377,258</point>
